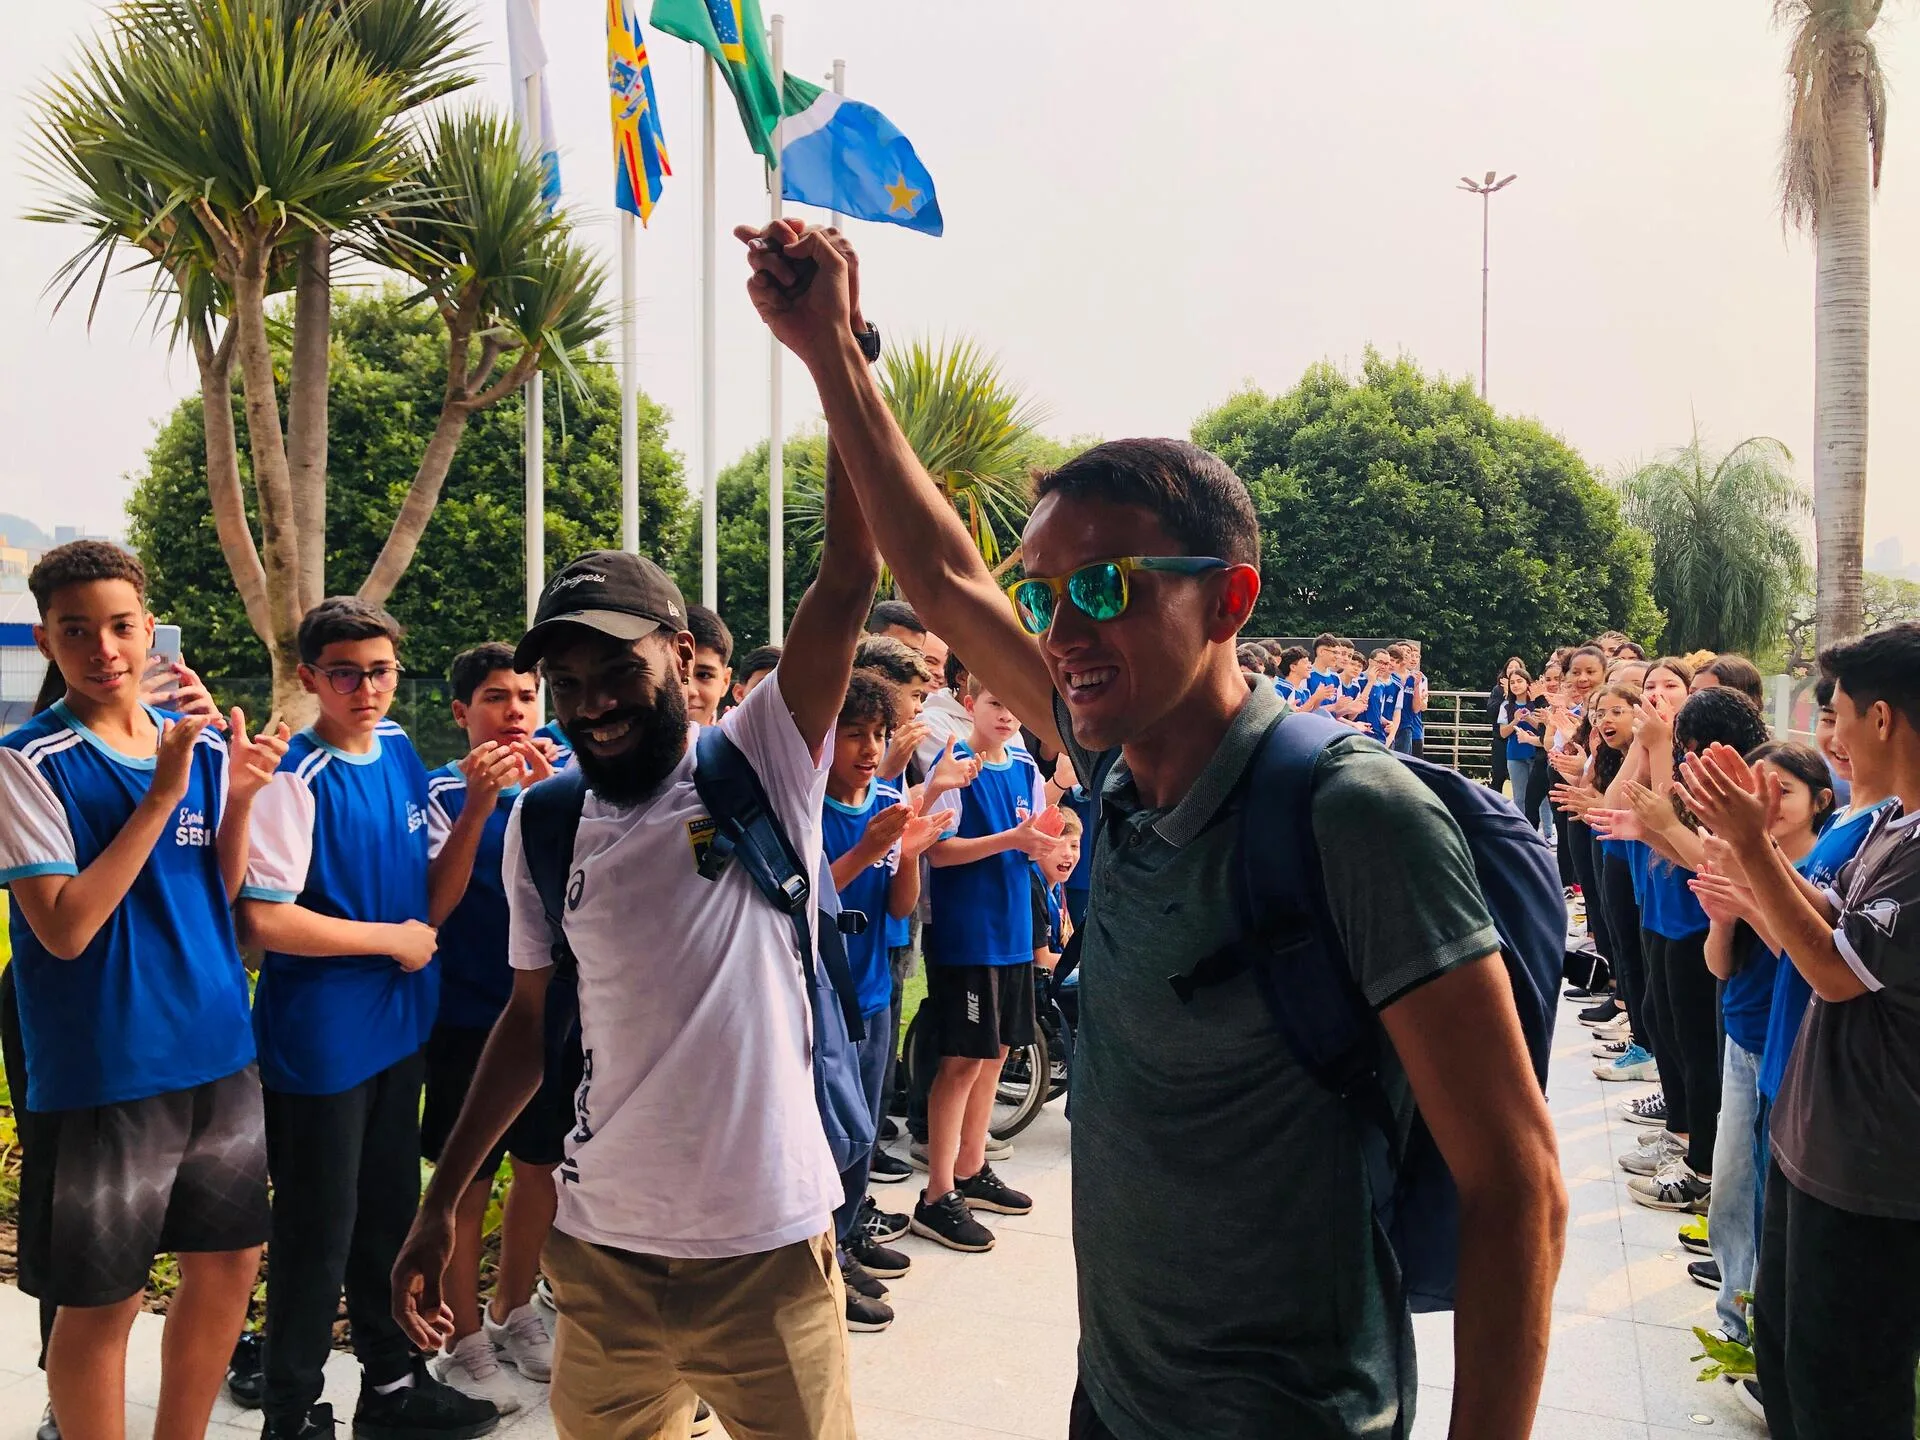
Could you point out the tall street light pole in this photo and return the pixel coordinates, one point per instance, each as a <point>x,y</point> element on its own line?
<point>1484,189</point>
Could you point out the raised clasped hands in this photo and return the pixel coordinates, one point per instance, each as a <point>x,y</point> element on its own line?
<point>805,285</point>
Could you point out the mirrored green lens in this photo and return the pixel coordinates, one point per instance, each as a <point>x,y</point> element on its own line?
<point>1099,590</point>
<point>1034,600</point>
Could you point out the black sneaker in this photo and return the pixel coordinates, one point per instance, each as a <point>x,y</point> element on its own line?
<point>889,1129</point>
<point>1705,1274</point>
<point>949,1222</point>
<point>1582,992</point>
<point>424,1410</point>
<point>889,1169</point>
<point>49,1427</point>
<point>986,1191</point>
<point>316,1424</point>
<point>884,1226</point>
<point>875,1258</point>
<point>1605,1013</point>
<point>243,1372</point>
<point>867,1315</point>
<point>861,1281</point>
<point>1698,1244</point>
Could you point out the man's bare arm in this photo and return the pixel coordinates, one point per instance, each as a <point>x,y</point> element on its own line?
<point>818,656</point>
<point>918,531</point>
<point>1486,1112</point>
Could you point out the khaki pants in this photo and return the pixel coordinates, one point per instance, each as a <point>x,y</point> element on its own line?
<point>761,1338</point>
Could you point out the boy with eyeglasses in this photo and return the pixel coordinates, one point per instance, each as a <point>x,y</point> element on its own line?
<point>337,896</point>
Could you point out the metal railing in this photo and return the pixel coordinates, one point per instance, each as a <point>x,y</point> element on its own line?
<point>1458,733</point>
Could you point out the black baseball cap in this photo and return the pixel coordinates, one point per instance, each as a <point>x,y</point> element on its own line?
<point>619,594</point>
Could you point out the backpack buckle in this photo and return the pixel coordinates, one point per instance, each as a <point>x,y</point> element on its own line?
<point>713,860</point>
<point>851,922</point>
<point>796,889</point>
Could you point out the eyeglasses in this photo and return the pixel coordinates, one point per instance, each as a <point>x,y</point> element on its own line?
<point>1099,591</point>
<point>345,679</point>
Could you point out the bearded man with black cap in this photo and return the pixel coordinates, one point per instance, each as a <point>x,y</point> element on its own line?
<point>693,1250</point>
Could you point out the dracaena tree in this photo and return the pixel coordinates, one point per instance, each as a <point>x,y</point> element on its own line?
<point>239,147</point>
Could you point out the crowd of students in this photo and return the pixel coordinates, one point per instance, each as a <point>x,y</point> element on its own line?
<point>554,952</point>
<point>1731,933</point>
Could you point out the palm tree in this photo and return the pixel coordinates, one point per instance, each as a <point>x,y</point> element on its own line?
<point>1829,169</point>
<point>1727,550</point>
<point>237,144</point>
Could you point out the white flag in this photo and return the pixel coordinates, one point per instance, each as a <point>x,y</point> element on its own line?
<point>526,58</point>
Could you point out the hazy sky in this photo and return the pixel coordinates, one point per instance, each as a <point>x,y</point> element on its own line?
<point>1148,205</point>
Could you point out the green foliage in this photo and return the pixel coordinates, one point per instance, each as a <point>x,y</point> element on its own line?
<point>1727,550</point>
<point>1398,504</point>
<point>741,549</point>
<point>465,584</point>
<point>1727,1358</point>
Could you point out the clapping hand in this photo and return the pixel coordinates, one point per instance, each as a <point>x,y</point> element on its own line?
<point>251,763</point>
<point>922,833</point>
<point>1736,802</point>
<point>906,739</point>
<point>490,768</point>
<point>1577,800</point>
<point>1724,899</point>
<point>953,772</point>
<point>1614,824</point>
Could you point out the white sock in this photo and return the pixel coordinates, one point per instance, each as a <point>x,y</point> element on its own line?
<point>402,1383</point>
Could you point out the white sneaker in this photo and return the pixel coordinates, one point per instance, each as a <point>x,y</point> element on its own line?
<point>1653,1154</point>
<point>473,1369</point>
<point>998,1149</point>
<point>523,1342</point>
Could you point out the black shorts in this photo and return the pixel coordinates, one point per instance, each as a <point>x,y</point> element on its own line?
<point>976,1009</point>
<point>106,1188</point>
<point>538,1134</point>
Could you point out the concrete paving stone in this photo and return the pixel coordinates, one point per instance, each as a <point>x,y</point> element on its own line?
<point>994,1369</point>
<point>1593,1280</point>
<point>1663,1294</point>
<point>1668,1375</point>
<point>876,1423</point>
<point>1032,1279</point>
<point>1592,1367</point>
<point>1552,1424</point>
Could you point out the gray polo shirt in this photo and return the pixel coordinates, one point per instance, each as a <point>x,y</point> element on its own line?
<point>1229,1286</point>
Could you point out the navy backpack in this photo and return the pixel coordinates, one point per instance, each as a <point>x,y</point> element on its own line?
<point>746,829</point>
<point>1288,942</point>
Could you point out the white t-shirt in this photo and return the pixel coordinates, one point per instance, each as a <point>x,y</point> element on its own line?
<point>698,1136</point>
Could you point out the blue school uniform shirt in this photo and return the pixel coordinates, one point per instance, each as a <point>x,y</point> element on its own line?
<point>475,979</point>
<point>983,911</point>
<point>157,1002</point>
<point>1843,836</point>
<point>1668,907</point>
<point>552,731</point>
<point>343,835</point>
<point>1415,721</point>
<point>1516,748</point>
<point>1382,705</point>
<point>841,827</point>
<point>1318,680</point>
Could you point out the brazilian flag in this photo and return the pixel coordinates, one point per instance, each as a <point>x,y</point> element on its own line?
<point>730,31</point>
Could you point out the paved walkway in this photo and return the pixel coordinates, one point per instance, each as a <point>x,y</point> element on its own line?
<point>983,1347</point>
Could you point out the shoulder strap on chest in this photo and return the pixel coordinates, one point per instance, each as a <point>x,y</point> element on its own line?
<point>549,821</point>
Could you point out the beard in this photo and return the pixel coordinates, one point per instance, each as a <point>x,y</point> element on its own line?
<point>632,776</point>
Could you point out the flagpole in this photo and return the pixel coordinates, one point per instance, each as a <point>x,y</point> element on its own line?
<point>709,364</point>
<point>536,433</point>
<point>839,88</point>
<point>776,451</point>
<point>629,386</point>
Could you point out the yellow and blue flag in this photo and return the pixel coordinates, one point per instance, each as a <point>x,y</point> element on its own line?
<point>732,32</point>
<point>843,155</point>
<point>639,147</point>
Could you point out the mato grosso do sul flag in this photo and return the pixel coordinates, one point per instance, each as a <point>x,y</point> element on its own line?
<point>732,33</point>
<point>843,155</point>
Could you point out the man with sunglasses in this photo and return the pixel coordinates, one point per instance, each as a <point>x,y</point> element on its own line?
<point>1276,1316</point>
<point>337,895</point>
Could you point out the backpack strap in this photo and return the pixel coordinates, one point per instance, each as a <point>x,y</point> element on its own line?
<point>549,821</point>
<point>745,828</point>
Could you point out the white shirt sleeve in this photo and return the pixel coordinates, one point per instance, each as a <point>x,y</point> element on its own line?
<point>35,838</point>
<point>281,841</point>
<point>763,727</point>
<point>1039,791</point>
<point>529,942</point>
<point>439,823</point>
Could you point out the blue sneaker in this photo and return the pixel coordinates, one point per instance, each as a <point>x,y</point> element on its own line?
<point>1635,1064</point>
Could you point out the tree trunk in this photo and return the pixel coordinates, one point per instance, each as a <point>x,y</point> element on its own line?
<point>307,413</point>
<point>422,495</point>
<point>279,533</point>
<point>1840,315</point>
<point>223,478</point>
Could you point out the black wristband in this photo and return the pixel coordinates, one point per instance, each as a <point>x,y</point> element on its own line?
<point>870,343</point>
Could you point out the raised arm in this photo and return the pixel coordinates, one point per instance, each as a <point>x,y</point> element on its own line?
<point>818,656</point>
<point>918,532</point>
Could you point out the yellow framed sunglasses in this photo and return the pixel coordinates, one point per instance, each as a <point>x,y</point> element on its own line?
<point>1099,591</point>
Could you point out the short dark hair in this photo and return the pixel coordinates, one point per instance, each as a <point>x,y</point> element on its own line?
<point>956,671</point>
<point>1823,692</point>
<point>1631,650</point>
<point>1593,652</point>
<point>895,612</point>
<point>1737,672</point>
<point>471,668</point>
<point>1326,640</point>
<point>1254,658</point>
<point>1882,666</point>
<point>870,696</point>
<point>761,657</point>
<point>80,562</point>
<point>1292,656</point>
<point>896,660</point>
<point>1723,715</point>
<point>710,632</point>
<point>343,617</point>
<point>1192,492</point>
<point>1276,647</point>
